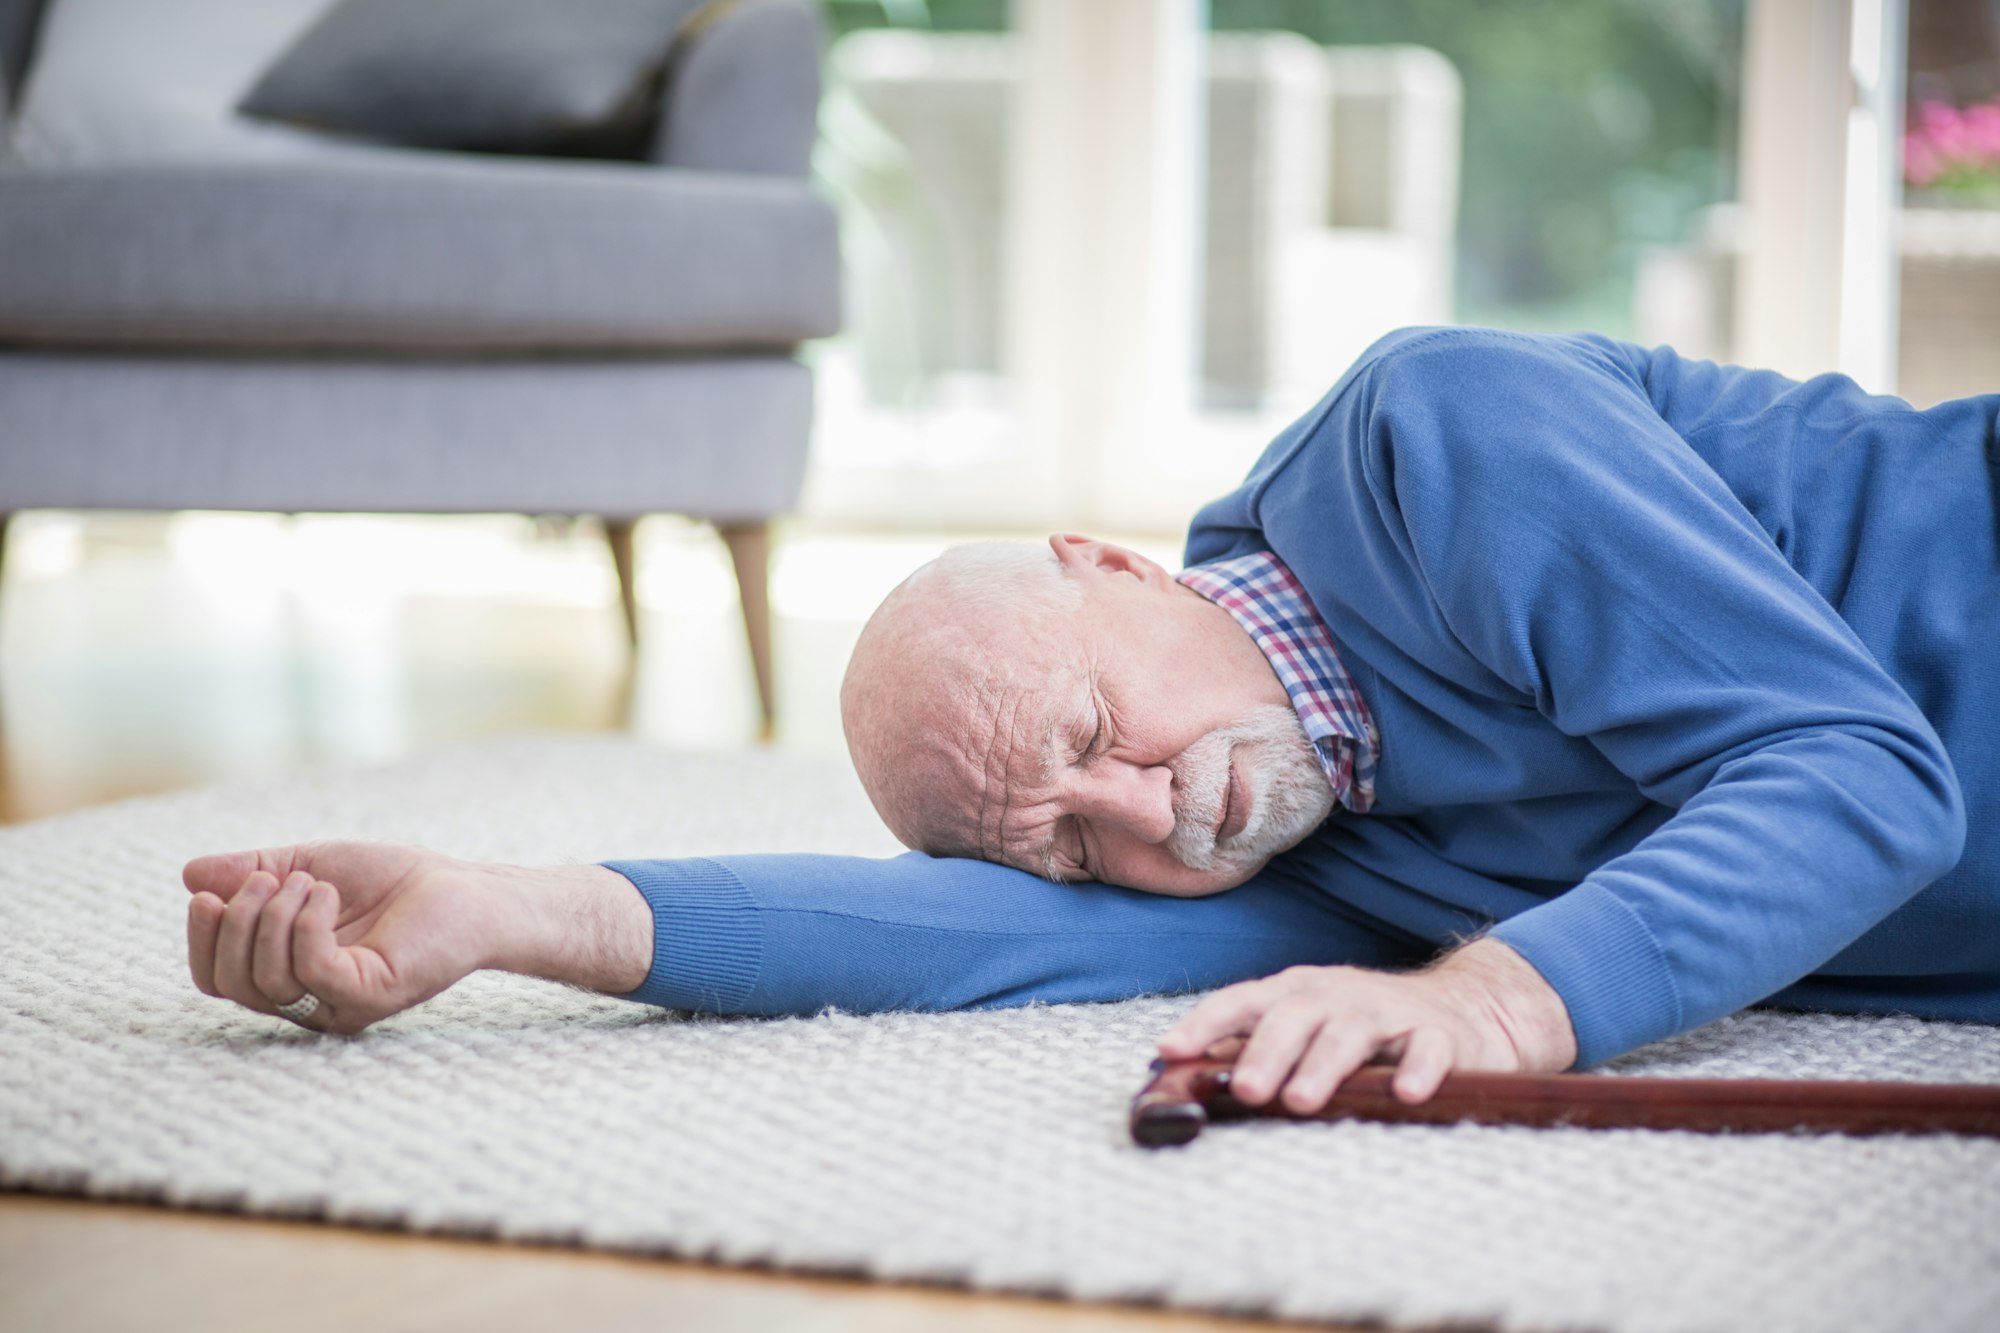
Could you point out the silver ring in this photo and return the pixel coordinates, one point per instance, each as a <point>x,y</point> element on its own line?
<point>301,1009</point>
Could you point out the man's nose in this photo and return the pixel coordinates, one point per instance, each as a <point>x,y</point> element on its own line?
<point>1137,798</point>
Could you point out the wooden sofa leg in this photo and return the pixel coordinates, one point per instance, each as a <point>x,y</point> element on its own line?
<point>618,532</point>
<point>750,550</point>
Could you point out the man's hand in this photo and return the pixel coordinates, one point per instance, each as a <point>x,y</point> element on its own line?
<point>1483,1007</point>
<point>372,929</point>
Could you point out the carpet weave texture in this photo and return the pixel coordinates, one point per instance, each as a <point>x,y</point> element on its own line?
<point>986,1150</point>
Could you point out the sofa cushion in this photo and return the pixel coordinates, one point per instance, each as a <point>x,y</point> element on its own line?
<point>509,76</point>
<point>157,80</point>
<point>445,253</point>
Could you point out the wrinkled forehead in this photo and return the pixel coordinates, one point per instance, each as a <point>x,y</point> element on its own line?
<point>995,791</point>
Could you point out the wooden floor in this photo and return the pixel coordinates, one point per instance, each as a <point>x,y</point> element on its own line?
<point>139,654</point>
<point>68,1265</point>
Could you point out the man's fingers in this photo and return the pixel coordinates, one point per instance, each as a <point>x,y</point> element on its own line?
<point>1425,1063</point>
<point>1228,1048</point>
<point>204,920</point>
<point>237,938</point>
<point>1230,1012</point>
<point>316,955</point>
<point>221,875</point>
<point>271,954</point>
<point>224,873</point>
<point>1336,1052</point>
<point>1281,1037</point>
<point>264,940</point>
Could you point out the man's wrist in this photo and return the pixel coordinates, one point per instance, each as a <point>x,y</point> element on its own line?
<point>1519,1000</point>
<point>582,925</point>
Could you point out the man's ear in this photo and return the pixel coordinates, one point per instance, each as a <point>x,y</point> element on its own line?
<point>1086,554</point>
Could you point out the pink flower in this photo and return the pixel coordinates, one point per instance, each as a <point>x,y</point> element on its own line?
<point>1957,146</point>
<point>1920,164</point>
<point>1937,119</point>
<point>1982,127</point>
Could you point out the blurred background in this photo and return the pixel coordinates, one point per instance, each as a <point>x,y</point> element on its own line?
<point>1091,257</point>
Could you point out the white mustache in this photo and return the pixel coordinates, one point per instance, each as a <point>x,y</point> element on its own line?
<point>1288,791</point>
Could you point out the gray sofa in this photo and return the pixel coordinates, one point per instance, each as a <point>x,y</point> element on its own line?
<point>372,329</point>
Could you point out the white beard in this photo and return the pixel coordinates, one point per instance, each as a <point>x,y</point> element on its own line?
<point>1288,790</point>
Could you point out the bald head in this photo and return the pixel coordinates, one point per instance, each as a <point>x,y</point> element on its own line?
<point>982,623</point>
<point>1075,712</point>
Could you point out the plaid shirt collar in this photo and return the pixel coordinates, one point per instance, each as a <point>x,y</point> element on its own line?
<point>1268,601</point>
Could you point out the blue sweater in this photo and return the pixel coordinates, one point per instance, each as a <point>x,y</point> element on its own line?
<point>1688,685</point>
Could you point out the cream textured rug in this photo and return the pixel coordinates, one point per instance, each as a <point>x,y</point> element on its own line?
<point>980,1149</point>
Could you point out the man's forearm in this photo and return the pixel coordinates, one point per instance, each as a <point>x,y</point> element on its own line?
<point>582,925</point>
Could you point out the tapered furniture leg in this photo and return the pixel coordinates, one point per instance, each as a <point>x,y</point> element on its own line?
<point>750,550</point>
<point>618,533</point>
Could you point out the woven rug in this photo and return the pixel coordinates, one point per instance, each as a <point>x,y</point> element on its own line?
<point>987,1150</point>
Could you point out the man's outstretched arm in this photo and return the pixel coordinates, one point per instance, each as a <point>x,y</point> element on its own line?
<point>374,929</point>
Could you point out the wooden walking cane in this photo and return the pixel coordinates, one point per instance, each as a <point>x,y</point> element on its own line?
<point>1184,1095</point>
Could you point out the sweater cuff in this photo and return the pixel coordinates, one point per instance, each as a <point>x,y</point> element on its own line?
<point>708,936</point>
<point>1606,965</point>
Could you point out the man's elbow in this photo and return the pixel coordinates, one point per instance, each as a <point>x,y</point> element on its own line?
<point>1936,824</point>
<point>1951,834</point>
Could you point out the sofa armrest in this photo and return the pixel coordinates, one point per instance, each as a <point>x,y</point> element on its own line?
<point>743,91</point>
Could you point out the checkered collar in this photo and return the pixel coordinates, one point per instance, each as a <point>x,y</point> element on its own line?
<point>1271,605</point>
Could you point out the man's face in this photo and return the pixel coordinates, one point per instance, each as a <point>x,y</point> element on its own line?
<point>1150,745</point>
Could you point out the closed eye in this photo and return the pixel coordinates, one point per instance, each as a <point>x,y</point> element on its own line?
<point>1087,741</point>
<point>1100,734</point>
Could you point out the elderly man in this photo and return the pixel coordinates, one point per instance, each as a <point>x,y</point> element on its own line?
<point>1533,699</point>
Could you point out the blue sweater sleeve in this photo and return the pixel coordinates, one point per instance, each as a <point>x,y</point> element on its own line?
<point>1585,554</point>
<point>793,934</point>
